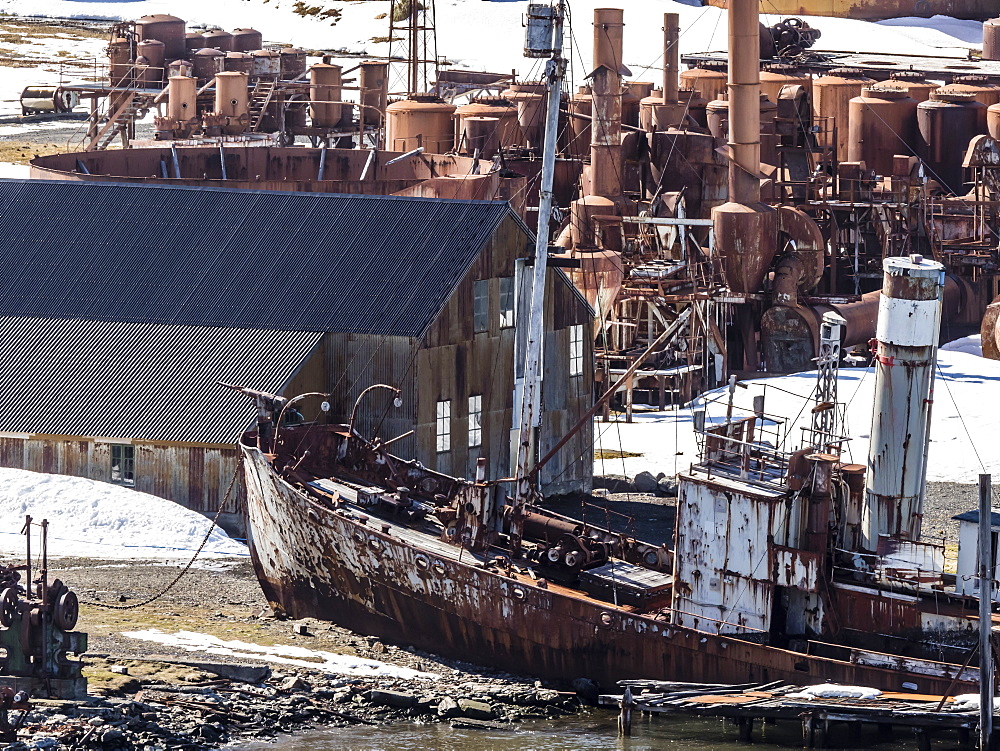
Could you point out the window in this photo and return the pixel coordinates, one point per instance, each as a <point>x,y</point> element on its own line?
<point>475,420</point>
<point>481,315</point>
<point>506,302</point>
<point>123,464</point>
<point>444,426</point>
<point>576,350</point>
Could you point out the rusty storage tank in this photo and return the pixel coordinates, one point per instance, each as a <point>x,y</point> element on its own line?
<point>266,63</point>
<point>529,96</point>
<point>247,40</point>
<point>946,124</point>
<point>993,121</point>
<point>717,114</point>
<point>710,78</point>
<point>654,116</point>
<point>985,92</point>
<point>991,39</point>
<point>423,120</point>
<point>168,29</point>
<point>179,68</point>
<point>630,103</point>
<point>206,63</point>
<point>145,76</point>
<point>831,98</point>
<point>219,39</point>
<point>193,41</point>
<point>232,99</point>
<point>775,75</point>
<point>373,80</point>
<point>325,86</point>
<point>577,132</point>
<point>154,51</point>
<point>503,110</point>
<point>482,133</point>
<point>883,122</point>
<point>238,62</point>
<point>119,60</point>
<point>293,63</point>
<point>916,85</point>
<point>182,99</point>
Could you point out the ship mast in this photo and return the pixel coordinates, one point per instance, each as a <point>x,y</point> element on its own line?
<point>544,38</point>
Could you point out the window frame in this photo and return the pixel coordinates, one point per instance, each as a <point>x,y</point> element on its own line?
<point>476,415</point>
<point>442,426</point>
<point>507,294</point>
<point>576,350</point>
<point>481,305</point>
<point>123,457</point>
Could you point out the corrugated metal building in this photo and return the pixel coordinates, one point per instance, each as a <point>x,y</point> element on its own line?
<point>126,303</point>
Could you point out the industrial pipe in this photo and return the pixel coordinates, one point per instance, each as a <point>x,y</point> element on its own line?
<point>671,55</point>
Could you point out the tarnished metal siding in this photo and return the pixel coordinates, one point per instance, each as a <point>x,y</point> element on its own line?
<point>149,382</point>
<point>235,258</point>
<point>317,563</point>
<point>723,556</point>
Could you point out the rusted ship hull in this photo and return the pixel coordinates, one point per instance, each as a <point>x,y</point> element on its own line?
<point>374,578</point>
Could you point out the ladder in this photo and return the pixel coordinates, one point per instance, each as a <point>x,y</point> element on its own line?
<point>263,92</point>
<point>119,122</point>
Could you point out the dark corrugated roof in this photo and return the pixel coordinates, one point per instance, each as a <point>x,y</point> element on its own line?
<point>973,516</point>
<point>235,258</point>
<point>135,380</point>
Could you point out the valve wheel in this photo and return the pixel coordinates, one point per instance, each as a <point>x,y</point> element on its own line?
<point>8,606</point>
<point>67,611</point>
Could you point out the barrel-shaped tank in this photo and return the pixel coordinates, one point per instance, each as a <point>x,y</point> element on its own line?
<point>179,68</point>
<point>325,83</point>
<point>654,114</point>
<point>984,91</point>
<point>630,104</point>
<point>293,63</point>
<point>182,104</point>
<point>247,40</point>
<point>946,124</point>
<point>991,39</point>
<point>423,120</point>
<point>883,122</point>
<point>155,53</point>
<point>119,60</point>
<point>503,111</point>
<point>916,85</point>
<point>773,76</point>
<point>168,29</point>
<point>146,76</point>
<point>831,98</point>
<point>993,121</point>
<point>207,62</point>
<point>482,135</point>
<point>529,96</point>
<point>238,62</point>
<point>373,80</point>
<point>232,100</point>
<point>709,78</point>
<point>266,63</point>
<point>219,39</point>
<point>193,41</point>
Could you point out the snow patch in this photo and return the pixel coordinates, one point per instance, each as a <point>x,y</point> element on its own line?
<point>329,662</point>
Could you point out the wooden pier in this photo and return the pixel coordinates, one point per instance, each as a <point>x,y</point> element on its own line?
<point>925,715</point>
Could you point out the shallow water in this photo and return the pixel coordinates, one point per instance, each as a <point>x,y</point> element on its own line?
<point>589,731</point>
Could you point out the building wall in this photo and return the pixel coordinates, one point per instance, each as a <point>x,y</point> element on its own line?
<point>194,476</point>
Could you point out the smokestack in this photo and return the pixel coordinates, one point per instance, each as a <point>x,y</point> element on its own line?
<point>606,87</point>
<point>909,323</point>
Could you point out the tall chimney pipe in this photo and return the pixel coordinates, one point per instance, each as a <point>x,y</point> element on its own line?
<point>671,55</point>
<point>609,28</point>
<point>744,101</point>
<point>909,323</point>
<point>606,87</point>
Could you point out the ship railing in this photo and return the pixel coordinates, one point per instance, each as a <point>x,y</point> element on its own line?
<point>740,455</point>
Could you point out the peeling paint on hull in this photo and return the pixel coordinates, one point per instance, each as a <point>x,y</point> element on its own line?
<point>314,562</point>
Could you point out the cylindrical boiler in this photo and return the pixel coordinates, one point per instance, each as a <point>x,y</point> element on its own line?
<point>946,124</point>
<point>916,85</point>
<point>373,80</point>
<point>232,100</point>
<point>168,29</point>
<point>119,60</point>
<point>155,53</point>
<point>425,120</point>
<point>325,86</point>
<point>219,39</point>
<point>247,40</point>
<point>206,63</point>
<point>709,78</point>
<point>883,123</point>
<point>831,97</point>
<point>182,105</point>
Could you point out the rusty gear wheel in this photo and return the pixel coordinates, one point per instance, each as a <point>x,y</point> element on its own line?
<point>8,606</point>
<point>67,611</point>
